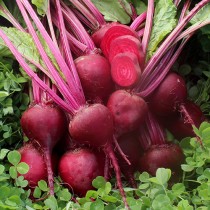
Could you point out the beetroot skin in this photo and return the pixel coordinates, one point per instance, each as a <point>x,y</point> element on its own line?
<point>163,156</point>
<point>44,123</point>
<point>92,125</point>
<point>78,168</point>
<point>128,110</point>
<point>37,167</point>
<point>95,74</point>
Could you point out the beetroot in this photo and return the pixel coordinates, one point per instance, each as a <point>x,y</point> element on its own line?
<point>112,33</point>
<point>179,125</point>
<point>93,125</point>
<point>37,167</point>
<point>98,35</point>
<point>128,111</point>
<point>163,156</point>
<point>44,124</point>
<point>78,168</point>
<point>95,75</point>
<point>131,147</point>
<point>169,95</point>
<point>125,70</point>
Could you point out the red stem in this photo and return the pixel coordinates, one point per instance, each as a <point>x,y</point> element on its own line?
<point>109,151</point>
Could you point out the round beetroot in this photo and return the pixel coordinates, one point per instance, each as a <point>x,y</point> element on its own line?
<point>128,110</point>
<point>78,168</point>
<point>37,167</point>
<point>95,75</point>
<point>163,156</point>
<point>169,95</point>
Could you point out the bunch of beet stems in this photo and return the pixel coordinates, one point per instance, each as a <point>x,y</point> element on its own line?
<point>158,66</point>
<point>74,102</point>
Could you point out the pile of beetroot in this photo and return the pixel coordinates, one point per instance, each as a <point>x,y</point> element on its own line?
<point>99,103</point>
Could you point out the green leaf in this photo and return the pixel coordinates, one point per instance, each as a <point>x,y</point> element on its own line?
<point>2,168</point>
<point>42,6</point>
<point>14,157</point>
<point>3,94</point>
<point>99,182</point>
<point>22,168</point>
<point>97,205</point>
<point>51,202</point>
<point>43,185</point>
<point>21,182</point>
<point>163,175</point>
<point>64,195</point>
<point>144,177</point>
<point>112,10</point>
<point>187,168</point>
<point>163,23</point>
<point>13,172</point>
<point>3,153</point>
<point>37,192</point>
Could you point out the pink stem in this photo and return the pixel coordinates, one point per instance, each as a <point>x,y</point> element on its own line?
<point>34,76</point>
<point>138,21</point>
<point>67,50</point>
<point>109,151</point>
<point>68,92</point>
<point>48,162</point>
<point>148,25</point>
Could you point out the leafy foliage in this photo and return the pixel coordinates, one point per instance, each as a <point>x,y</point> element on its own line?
<point>13,101</point>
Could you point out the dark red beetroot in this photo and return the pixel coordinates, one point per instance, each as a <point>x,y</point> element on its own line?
<point>131,147</point>
<point>127,43</point>
<point>163,156</point>
<point>99,34</point>
<point>179,124</point>
<point>169,95</point>
<point>95,75</point>
<point>112,33</point>
<point>37,167</point>
<point>44,124</point>
<point>93,125</point>
<point>78,168</point>
<point>125,70</point>
<point>128,110</point>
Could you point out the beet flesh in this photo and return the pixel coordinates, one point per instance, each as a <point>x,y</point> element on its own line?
<point>99,34</point>
<point>95,75</point>
<point>124,44</point>
<point>125,70</point>
<point>112,33</point>
<point>168,96</point>
<point>78,168</point>
<point>128,111</point>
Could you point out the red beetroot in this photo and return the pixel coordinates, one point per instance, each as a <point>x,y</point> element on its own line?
<point>112,33</point>
<point>94,125</point>
<point>37,167</point>
<point>127,43</point>
<point>179,125</point>
<point>163,156</point>
<point>95,75</point>
<point>44,124</point>
<point>169,95</point>
<point>128,111</point>
<point>79,167</point>
<point>99,34</point>
<point>125,70</point>
<point>131,147</point>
